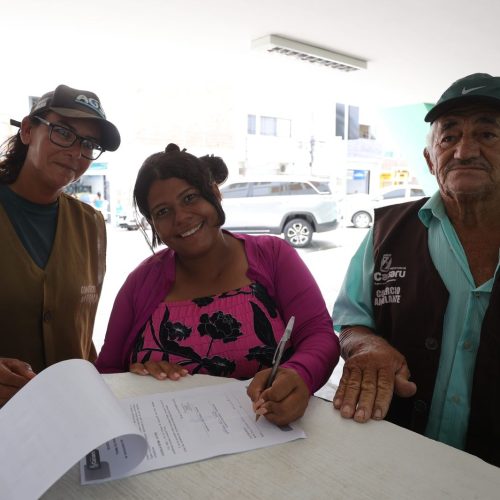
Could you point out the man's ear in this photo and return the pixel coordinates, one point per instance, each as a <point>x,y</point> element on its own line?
<point>428,159</point>
<point>25,131</point>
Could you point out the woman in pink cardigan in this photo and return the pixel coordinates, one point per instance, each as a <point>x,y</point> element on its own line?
<point>215,302</point>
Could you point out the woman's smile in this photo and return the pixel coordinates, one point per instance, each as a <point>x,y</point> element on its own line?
<point>191,231</point>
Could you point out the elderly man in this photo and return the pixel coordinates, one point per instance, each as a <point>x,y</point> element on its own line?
<point>419,309</point>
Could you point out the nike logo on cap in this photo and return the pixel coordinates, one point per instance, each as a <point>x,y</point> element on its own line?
<point>466,91</point>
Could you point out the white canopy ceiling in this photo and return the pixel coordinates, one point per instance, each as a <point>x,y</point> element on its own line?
<point>414,49</point>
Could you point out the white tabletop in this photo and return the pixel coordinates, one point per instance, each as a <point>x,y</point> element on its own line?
<point>339,459</point>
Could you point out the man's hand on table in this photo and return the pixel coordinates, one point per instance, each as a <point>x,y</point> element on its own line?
<point>14,374</point>
<point>373,371</point>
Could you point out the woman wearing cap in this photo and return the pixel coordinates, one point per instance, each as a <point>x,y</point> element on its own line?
<point>53,246</point>
<point>214,302</point>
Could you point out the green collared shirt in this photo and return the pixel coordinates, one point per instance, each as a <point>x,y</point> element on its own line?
<point>449,413</point>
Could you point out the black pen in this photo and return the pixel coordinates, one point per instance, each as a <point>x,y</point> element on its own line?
<point>278,354</point>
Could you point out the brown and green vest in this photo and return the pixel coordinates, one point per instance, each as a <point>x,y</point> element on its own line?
<point>409,302</point>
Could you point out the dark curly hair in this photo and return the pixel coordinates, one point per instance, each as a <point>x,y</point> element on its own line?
<point>13,154</point>
<point>201,173</point>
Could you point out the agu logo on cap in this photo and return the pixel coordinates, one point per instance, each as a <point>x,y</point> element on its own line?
<point>91,103</point>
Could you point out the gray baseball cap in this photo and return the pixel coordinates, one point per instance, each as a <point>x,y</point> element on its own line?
<point>74,103</point>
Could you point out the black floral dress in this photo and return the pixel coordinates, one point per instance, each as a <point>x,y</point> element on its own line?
<point>233,334</point>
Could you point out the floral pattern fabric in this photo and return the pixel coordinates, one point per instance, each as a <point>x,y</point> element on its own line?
<point>233,334</point>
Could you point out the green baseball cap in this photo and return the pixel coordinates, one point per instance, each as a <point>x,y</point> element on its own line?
<point>478,87</point>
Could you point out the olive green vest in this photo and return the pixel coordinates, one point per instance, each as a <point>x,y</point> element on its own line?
<point>47,315</point>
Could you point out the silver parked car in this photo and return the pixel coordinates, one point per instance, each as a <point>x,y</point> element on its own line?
<point>294,207</point>
<point>357,209</point>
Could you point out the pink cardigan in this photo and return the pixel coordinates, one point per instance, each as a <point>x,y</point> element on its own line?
<point>271,262</point>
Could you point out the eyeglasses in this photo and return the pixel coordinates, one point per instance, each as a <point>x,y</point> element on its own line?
<point>65,138</point>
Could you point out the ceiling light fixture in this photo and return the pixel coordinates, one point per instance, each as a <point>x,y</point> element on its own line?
<point>309,53</point>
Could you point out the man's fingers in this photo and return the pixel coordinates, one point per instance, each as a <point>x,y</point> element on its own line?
<point>403,387</point>
<point>385,389</point>
<point>351,392</point>
<point>338,398</point>
<point>367,396</point>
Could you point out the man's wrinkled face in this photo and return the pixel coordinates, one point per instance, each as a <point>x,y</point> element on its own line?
<point>464,153</point>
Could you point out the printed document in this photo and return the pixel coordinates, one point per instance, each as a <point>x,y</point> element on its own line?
<point>186,426</point>
<point>68,412</point>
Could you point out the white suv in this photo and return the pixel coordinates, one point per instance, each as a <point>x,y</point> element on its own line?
<point>295,207</point>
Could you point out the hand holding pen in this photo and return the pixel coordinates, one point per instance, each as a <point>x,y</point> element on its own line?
<point>278,354</point>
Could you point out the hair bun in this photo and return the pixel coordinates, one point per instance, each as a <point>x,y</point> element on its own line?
<point>217,167</point>
<point>172,148</point>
